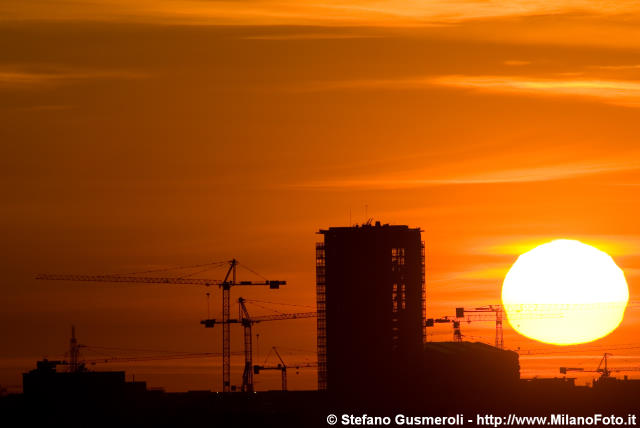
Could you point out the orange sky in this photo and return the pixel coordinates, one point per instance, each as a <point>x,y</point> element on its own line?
<point>144,134</point>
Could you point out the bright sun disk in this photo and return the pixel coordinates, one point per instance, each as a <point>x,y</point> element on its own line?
<point>565,292</point>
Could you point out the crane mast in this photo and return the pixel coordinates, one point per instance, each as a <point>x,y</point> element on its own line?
<point>284,369</point>
<point>247,374</point>
<point>226,332</point>
<point>247,323</point>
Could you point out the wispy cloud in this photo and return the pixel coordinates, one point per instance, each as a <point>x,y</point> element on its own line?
<point>312,36</point>
<point>617,67</point>
<point>497,272</point>
<point>617,92</point>
<point>614,245</point>
<point>516,62</point>
<point>522,175</point>
<point>17,77</point>
<point>269,12</point>
<point>46,108</point>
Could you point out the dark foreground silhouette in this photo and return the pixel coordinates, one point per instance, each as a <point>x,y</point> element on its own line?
<point>104,399</point>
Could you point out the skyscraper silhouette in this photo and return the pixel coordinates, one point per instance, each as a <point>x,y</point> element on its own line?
<point>371,306</point>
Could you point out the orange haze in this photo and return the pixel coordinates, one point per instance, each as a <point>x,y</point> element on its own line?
<point>138,135</point>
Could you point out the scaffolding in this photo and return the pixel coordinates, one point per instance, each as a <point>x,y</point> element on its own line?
<point>424,293</point>
<point>321,308</point>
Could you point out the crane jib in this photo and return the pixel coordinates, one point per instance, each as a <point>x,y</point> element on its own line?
<point>273,284</point>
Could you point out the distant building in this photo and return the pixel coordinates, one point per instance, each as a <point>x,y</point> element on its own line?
<point>371,306</point>
<point>46,382</point>
<point>469,367</point>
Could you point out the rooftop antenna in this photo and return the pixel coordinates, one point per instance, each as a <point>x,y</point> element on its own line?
<point>74,352</point>
<point>208,305</point>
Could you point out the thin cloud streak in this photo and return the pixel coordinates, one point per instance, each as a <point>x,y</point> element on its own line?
<point>516,63</point>
<point>614,245</point>
<point>329,12</point>
<point>524,175</point>
<point>618,92</point>
<point>16,77</point>
<point>616,67</point>
<point>312,36</point>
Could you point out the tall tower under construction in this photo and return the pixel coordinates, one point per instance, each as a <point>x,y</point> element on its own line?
<point>371,306</point>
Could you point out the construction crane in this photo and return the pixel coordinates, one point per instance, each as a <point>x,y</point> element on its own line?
<point>603,368</point>
<point>75,364</point>
<point>74,353</point>
<point>483,314</point>
<point>226,284</point>
<point>457,334</point>
<point>247,323</point>
<point>456,323</point>
<point>517,312</point>
<point>281,366</point>
<point>498,310</point>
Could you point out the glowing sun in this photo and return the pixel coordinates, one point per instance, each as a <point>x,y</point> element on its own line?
<point>565,292</point>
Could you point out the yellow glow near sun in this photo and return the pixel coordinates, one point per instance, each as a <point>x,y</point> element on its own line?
<point>565,292</point>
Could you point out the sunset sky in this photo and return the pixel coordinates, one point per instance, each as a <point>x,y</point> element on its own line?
<point>142,134</point>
